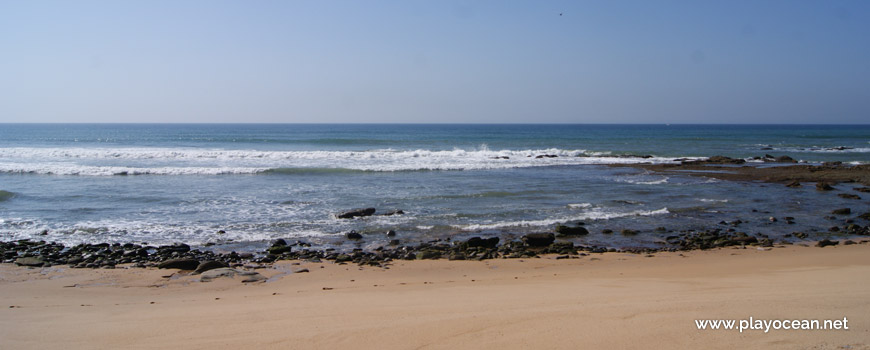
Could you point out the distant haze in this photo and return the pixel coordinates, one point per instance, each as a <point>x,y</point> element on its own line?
<point>435,61</point>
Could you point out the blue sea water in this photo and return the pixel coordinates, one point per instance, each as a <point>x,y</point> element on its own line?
<point>166,183</point>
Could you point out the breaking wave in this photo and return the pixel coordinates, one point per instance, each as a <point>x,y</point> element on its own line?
<point>173,161</point>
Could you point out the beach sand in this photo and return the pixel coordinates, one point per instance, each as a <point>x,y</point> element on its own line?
<point>611,300</point>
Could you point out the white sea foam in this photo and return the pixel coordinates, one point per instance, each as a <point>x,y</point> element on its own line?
<point>178,161</point>
<point>595,214</point>
<point>819,149</point>
<point>708,200</point>
<point>579,205</point>
<point>644,181</point>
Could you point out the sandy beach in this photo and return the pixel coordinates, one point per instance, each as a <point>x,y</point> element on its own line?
<point>611,300</point>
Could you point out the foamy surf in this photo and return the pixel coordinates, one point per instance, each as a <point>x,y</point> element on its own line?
<point>595,214</point>
<point>146,161</point>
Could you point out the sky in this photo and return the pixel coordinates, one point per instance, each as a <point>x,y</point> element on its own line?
<point>435,61</point>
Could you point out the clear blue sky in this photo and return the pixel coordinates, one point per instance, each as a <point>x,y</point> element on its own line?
<point>435,61</point>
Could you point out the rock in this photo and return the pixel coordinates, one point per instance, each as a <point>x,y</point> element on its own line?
<point>428,254</point>
<point>849,196</point>
<point>278,250</point>
<point>539,239</point>
<point>353,235</point>
<point>607,231</point>
<point>395,242</point>
<point>823,186</point>
<point>302,270</point>
<point>249,276</point>
<point>724,160</point>
<point>865,216</point>
<point>793,184</point>
<point>210,275</point>
<point>181,264</point>
<point>826,242</point>
<point>391,233</point>
<point>175,248</point>
<point>29,261</point>
<point>394,212</point>
<point>862,189</point>
<point>356,212</point>
<point>785,159</point>
<point>842,211</point>
<point>208,265</point>
<point>567,231</point>
<point>629,232</point>
<point>474,242</point>
<point>279,242</point>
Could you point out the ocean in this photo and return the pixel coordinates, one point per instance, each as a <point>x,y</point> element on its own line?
<point>238,186</point>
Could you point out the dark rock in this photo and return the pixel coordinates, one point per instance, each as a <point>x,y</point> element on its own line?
<point>629,232</point>
<point>826,242</point>
<point>567,231</point>
<point>842,211</point>
<point>208,265</point>
<point>428,254</point>
<point>793,184</point>
<point>356,212</point>
<point>724,160</point>
<point>607,231</point>
<point>394,212</point>
<point>391,233</point>
<point>29,261</point>
<point>279,242</point>
<point>849,242</point>
<point>175,248</point>
<point>823,186</point>
<point>280,249</point>
<point>539,239</point>
<point>785,159</point>
<point>302,270</point>
<point>865,216</point>
<point>849,196</point>
<point>474,242</point>
<point>353,235</point>
<point>181,264</point>
<point>862,189</point>
<point>834,229</point>
<point>394,242</point>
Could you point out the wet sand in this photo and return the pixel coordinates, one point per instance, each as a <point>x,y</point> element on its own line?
<point>611,300</point>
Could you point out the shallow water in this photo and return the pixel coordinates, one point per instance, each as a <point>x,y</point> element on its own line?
<point>260,182</point>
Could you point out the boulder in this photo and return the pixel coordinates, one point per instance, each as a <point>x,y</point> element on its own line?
<point>785,159</point>
<point>539,239</point>
<point>849,196</point>
<point>842,211</point>
<point>353,235</point>
<point>826,242</point>
<point>823,186</point>
<point>278,250</point>
<point>568,231</point>
<point>29,261</point>
<point>474,242</point>
<point>394,212</point>
<point>356,212</point>
<point>793,184</point>
<point>181,264</point>
<point>208,265</point>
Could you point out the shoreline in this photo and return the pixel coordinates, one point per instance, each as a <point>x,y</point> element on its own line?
<point>615,300</point>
